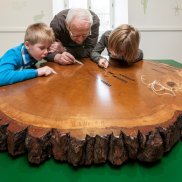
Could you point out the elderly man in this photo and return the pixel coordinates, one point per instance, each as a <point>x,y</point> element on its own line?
<point>76,32</point>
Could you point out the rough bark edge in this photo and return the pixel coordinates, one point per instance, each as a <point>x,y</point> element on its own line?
<point>146,144</point>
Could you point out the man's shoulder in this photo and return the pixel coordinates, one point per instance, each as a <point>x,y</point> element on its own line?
<point>62,13</point>
<point>95,16</point>
<point>58,22</point>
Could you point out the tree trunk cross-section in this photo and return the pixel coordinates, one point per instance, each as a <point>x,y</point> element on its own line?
<point>86,115</point>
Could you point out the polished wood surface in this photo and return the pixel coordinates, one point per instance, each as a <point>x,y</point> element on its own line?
<point>88,97</point>
<point>87,100</point>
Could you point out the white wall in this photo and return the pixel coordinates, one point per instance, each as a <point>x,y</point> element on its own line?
<point>16,15</point>
<point>159,21</point>
<point>162,45</point>
<point>160,24</point>
<point>121,12</point>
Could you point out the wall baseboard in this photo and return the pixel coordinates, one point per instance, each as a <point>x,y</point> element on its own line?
<point>160,28</point>
<point>140,28</point>
<point>12,29</point>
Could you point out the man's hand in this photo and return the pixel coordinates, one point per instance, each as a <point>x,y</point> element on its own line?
<point>64,58</point>
<point>45,71</point>
<point>104,63</point>
<point>57,47</point>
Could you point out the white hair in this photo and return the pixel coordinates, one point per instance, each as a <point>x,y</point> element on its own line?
<point>78,13</point>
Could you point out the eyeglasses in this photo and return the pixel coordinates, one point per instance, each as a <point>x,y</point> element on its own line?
<point>76,36</point>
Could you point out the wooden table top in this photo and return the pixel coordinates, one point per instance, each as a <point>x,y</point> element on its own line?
<point>89,99</point>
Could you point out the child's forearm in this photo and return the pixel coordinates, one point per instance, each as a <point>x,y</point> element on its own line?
<point>14,76</point>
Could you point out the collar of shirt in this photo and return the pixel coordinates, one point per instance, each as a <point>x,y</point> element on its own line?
<point>28,61</point>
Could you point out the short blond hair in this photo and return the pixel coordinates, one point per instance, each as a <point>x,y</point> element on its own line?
<point>38,33</point>
<point>124,40</point>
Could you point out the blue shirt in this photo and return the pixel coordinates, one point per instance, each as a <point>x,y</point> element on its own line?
<point>16,66</point>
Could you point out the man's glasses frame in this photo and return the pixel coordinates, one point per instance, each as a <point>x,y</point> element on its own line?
<point>76,36</point>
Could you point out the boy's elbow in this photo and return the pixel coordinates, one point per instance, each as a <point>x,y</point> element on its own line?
<point>141,54</point>
<point>3,82</point>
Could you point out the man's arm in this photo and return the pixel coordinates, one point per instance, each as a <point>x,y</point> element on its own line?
<point>58,26</point>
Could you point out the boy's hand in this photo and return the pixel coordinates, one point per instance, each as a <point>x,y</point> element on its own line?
<point>64,58</point>
<point>45,71</point>
<point>104,63</point>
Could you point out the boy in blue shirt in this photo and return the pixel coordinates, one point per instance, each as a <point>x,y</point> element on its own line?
<point>18,63</point>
